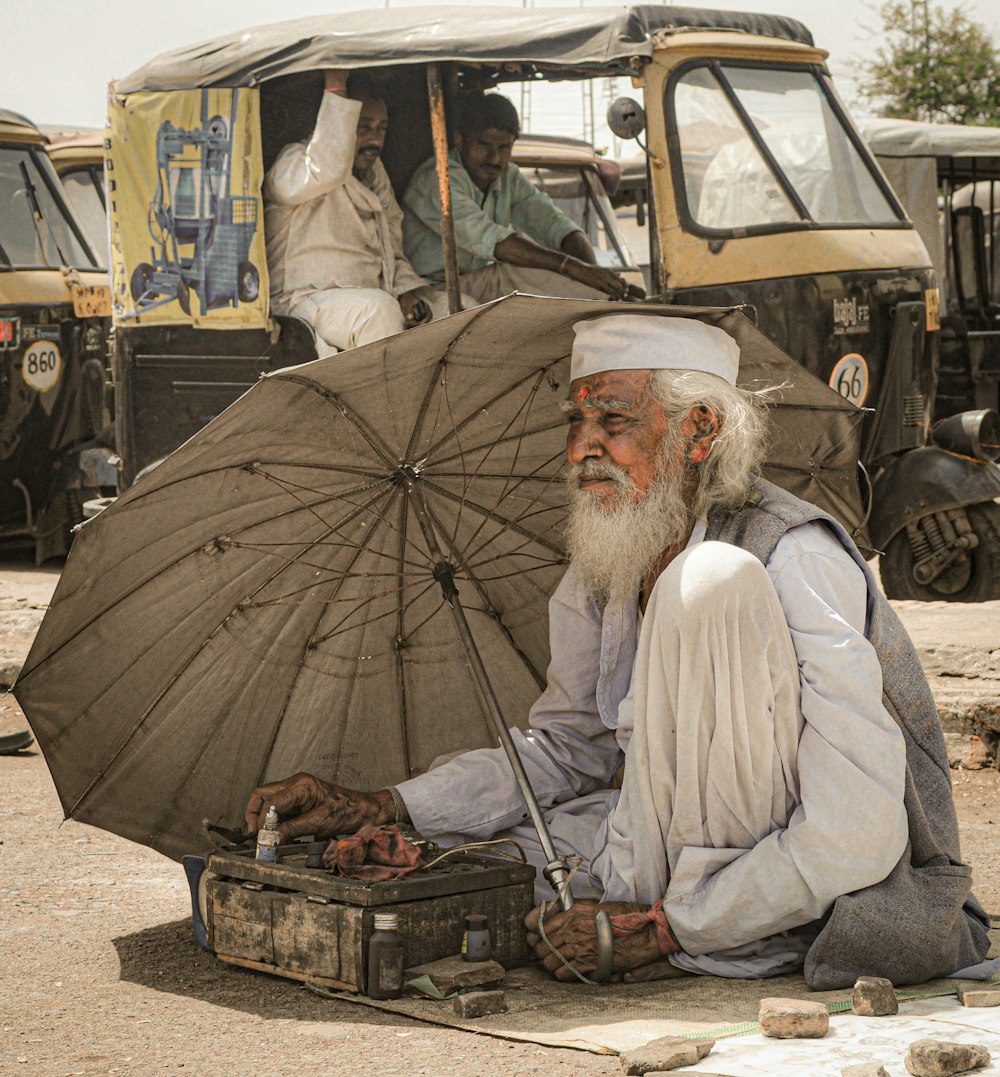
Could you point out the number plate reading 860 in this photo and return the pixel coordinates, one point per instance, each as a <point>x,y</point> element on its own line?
<point>41,365</point>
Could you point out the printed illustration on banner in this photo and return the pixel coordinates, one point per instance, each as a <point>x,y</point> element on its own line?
<point>850,378</point>
<point>187,244</point>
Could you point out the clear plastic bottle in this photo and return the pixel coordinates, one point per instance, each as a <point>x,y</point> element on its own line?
<point>385,958</point>
<point>476,945</point>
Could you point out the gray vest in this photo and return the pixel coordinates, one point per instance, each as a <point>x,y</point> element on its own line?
<point>921,921</point>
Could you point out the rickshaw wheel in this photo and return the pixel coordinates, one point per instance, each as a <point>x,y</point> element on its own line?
<point>977,580</point>
<point>248,282</point>
<point>142,276</point>
<point>183,295</point>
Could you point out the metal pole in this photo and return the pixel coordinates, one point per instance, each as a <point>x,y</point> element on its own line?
<point>439,131</point>
<point>555,867</point>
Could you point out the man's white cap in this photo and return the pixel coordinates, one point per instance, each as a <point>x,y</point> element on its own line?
<point>652,342</point>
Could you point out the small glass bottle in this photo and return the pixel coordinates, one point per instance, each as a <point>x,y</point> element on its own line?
<point>269,837</point>
<point>476,945</point>
<point>385,958</point>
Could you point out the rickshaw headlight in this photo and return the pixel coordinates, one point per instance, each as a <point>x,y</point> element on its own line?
<point>970,433</point>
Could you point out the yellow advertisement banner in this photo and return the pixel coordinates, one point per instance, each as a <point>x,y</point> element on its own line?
<point>187,229</point>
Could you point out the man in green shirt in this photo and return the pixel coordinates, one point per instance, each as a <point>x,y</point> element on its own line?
<point>510,236</point>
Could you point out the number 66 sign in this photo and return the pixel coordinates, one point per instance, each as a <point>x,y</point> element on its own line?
<point>42,365</point>
<point>850,378</point>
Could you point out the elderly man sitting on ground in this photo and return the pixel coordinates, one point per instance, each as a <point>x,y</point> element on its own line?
<point>785,797</point>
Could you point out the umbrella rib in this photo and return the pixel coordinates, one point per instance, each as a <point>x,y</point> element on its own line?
<point>425,403</point>
<point>400,634</point>
<point>374,441</point>
<point>495,442</point>
<point>524,411</point>
<point>537,373</point>
<point>311,643</point>
<point>511,525</point>
<point>490,610</point>
<point>121,747</point>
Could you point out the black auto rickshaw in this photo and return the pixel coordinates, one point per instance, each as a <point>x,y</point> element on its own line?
<point>761,193</point>
<point>56,440</point>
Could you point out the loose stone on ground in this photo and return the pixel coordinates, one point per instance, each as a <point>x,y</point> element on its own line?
<point>666,1053</point>
<point>979,994</point>
<point>793,1018</point>
<point>479,1004</point>
<point>865,1069</point>
<point>943,1058</point>
<point>874,996</point>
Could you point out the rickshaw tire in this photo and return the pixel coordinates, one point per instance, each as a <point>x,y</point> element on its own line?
<point>896,564</point>
<point>183,295</point>
<point>142,276</point>
<point>248,282</point>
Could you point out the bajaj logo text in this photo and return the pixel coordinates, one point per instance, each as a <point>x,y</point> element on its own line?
<point>849,316</point>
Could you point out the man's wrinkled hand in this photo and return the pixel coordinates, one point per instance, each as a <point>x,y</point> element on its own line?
<point>308,805</point>
<point>574,935</point>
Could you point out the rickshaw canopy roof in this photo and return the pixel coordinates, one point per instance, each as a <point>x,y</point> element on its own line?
<point>964,152</point>
<point>14,126</point>
<point>578,40</point>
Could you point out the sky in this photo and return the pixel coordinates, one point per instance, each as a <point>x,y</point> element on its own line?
<point>60,55</point>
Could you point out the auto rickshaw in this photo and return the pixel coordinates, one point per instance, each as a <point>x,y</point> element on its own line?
<point>945,175</point>
<point>761,194</point>
<point>55,305</point>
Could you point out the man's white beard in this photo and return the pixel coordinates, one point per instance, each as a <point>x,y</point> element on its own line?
<point>615,543</point>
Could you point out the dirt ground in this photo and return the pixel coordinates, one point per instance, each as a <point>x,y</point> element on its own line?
<point>101,974</point>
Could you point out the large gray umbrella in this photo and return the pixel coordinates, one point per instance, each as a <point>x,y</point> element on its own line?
<point>270,598</point>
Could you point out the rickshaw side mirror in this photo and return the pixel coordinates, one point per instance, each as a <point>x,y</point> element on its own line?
<point>626,118</point>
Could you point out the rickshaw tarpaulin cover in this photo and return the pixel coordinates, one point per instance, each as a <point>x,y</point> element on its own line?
<point>598,39</point>
<point>186,171</point>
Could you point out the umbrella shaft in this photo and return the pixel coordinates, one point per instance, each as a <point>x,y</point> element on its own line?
<point>555,868</point>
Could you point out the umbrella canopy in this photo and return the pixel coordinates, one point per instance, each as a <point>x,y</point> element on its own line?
<point>267,601</point>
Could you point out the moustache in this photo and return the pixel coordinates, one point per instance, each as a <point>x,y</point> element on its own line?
<point>594,469</point>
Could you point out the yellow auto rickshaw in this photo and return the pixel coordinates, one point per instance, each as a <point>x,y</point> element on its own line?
<point>56,443</point>
<point>761,194</point>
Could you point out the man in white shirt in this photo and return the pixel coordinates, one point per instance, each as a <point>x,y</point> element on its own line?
<point>785,796</point>
<point>334,228</point>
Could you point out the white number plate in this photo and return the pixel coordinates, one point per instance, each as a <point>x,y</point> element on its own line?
<point>850,378</point>
<point>42,365</point>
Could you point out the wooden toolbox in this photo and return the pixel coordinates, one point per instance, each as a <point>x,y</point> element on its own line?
<point>307,924</point>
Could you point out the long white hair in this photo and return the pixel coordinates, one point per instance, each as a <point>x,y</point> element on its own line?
<point>727,473</point>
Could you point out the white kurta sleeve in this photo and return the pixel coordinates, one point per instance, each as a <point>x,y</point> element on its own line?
<point>306,170</point>
<point>405,277</point>
<point>567,752</point>
<point>850,827</point>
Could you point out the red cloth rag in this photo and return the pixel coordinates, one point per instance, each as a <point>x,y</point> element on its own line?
<point>628,923</point>
<point>375,854</point>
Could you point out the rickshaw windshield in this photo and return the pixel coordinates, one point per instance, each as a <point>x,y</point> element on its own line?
<point>84,190</point>
<point>763,148</point>
<point>35,230</point>
<point>579,194</point>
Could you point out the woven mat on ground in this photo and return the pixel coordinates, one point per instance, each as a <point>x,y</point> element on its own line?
<point>619,1017</point>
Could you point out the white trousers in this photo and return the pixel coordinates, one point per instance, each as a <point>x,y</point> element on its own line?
<point>349,317</point>
<point>710,765</point>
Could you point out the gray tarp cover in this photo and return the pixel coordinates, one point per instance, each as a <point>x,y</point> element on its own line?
<point>960,147</point>
<point>579,38</point>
